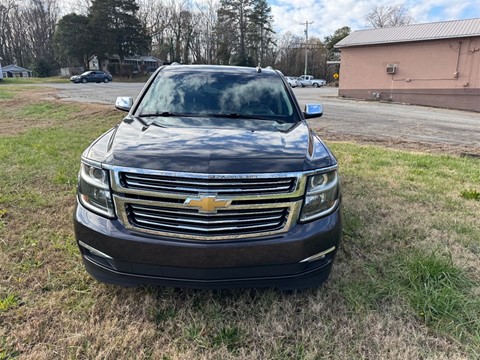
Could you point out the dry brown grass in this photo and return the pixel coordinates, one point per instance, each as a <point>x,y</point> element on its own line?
<point>418,146</point>
<point>14,121</point>
<point>59,312</point>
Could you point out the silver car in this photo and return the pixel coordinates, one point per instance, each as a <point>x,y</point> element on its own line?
<point>292,81</point>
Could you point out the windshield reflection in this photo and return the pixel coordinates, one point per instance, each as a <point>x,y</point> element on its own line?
<point>216,94</point>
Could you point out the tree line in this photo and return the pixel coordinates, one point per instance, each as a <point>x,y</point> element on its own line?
<point>229,32</point>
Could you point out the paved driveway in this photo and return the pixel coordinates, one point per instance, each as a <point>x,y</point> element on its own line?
<point>396,124</point>
<point>453,130</point>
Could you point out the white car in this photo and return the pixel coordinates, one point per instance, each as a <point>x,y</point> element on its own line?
<point>292,81</point>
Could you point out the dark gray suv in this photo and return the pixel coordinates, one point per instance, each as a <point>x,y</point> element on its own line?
<point>212,180</point>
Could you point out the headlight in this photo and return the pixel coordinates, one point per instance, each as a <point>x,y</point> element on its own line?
<point>94,190</point>
<point>321,196</point>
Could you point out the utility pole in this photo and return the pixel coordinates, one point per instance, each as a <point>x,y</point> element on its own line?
<point>306,23</point>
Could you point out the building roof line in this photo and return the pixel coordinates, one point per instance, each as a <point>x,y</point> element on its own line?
<point>409,33</point>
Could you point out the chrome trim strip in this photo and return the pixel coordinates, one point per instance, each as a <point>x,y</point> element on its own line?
<point>219,176</point>
<point>121,201</point>
<point>94,251</point>
<point>319,255</point>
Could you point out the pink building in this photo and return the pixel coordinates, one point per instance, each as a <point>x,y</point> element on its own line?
<point>436,64</point>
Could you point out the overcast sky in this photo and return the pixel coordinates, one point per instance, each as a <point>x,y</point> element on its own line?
<point>329,15</point>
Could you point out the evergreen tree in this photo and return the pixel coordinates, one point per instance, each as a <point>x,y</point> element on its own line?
<point>331,40</point>
<point>261,34</point>
<point>71,41</point>
<point>233,18</point>
<point>116,28</point>
<point>244,31</point>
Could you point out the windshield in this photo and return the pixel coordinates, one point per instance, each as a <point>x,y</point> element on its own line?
<point>218,94</point>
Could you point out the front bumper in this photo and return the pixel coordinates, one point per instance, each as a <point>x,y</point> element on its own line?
<point>113,254</point>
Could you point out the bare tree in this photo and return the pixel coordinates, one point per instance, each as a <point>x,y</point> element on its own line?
<point>388,16</point>
<point>26,36</point>
<point>79,7</point>
<point>181,30</point>
<point>205,47</point>
<point>290,54</point>
<point>8,11</point>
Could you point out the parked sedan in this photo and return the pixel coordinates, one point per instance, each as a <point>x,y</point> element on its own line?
<point>92,76</point>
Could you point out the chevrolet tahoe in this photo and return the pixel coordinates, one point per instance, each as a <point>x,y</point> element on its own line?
<point>213,180</point>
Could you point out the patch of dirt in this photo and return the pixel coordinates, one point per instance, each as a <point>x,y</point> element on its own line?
<point>402,144</point>
<point>13,122</point>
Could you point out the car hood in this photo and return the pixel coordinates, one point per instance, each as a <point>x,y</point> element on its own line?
<point>212,146</point>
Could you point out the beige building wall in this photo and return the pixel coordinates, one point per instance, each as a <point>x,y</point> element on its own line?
<point>443,73</point>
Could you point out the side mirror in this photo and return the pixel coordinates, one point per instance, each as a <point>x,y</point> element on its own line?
<point>313,111</point>
<point>124,103</point>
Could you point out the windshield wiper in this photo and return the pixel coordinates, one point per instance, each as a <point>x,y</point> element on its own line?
<point>164,113</point>
<point>215,115</point>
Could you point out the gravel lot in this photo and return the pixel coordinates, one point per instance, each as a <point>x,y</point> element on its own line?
<point>398,125</point>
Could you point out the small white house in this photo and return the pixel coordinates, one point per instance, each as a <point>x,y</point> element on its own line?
<point>14,71</point>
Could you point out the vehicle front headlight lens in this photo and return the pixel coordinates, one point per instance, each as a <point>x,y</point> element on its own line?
<point>94,190</point>
<point>321,196</point>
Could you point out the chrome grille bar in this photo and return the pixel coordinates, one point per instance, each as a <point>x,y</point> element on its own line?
<point>211,220</point>
<point>205,222</point>
<point>208,189</point>
<point>208,230</point>
<point>178,212</point>
<point>216,182</point>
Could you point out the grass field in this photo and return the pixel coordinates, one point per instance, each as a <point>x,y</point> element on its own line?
<point>35,80</point>
<point>406,284</point>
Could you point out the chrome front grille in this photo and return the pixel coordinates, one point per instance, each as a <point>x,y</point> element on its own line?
<point>220,186</point>
<point>207,207</point>
<point>245,221</point>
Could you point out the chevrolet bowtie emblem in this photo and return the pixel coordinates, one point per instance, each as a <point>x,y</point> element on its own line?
<point>207,203</point>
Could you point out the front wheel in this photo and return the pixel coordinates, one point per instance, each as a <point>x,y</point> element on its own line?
<point>84,80</point>
<point>105,80</point>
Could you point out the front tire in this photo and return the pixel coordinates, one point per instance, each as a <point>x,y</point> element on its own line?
<point>84,80</point>
<point>105,80</point>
